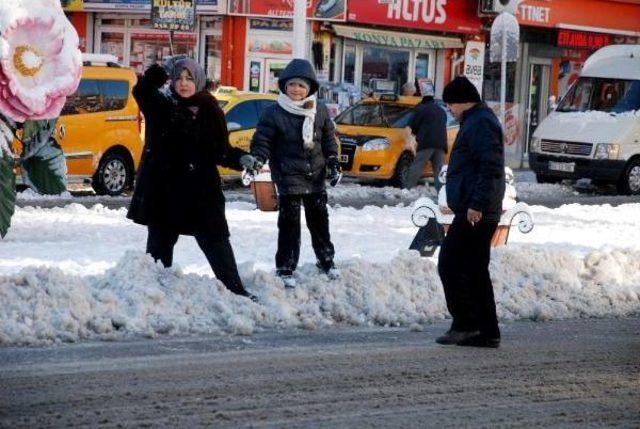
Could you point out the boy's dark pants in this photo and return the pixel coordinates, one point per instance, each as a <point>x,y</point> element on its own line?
<point>464,270</point>
<point>317,216</point>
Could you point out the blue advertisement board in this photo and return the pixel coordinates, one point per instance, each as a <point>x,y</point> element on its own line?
<point>107,5</point>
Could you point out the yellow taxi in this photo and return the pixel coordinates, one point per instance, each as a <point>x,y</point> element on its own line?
<point>375,141</point>
<point>242,111</point>
<point>99,128</point>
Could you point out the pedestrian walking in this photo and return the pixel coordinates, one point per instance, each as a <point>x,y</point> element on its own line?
<point>475,187</point>
<point>178,189</point>
<point>429,126</point>
<point>297,137</point>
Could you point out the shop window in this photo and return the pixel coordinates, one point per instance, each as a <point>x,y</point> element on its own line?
<point>141,22</point>
<point>112,43</point>
<point>111,21</point>
<point>385,64</point>
<point>349,64</point>
<point>149,48</point>
<point>244,114</point>
<point>491,82</point>
<point>212,60</point>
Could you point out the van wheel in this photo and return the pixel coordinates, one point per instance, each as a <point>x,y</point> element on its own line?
<point>541,178</point>
<point>113,175</point>
<point>630,181</point>
<point>401,175</point>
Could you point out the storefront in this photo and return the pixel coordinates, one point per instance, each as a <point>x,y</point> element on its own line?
<point>269,49</point>
<point>123,28</point>
<point>403,41</point>
<point>267,40</point>
<point>557,36</point>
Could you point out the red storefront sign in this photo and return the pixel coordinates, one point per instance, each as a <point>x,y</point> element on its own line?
<point>582,40</point>
<point>603,14</point>
<point>458,16</point>
<point>326,10</point>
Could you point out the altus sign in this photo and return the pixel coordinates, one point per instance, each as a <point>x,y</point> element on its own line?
<point>427,11</point>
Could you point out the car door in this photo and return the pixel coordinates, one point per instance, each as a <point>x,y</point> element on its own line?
<point>77,127</point>
<point>242,120</point>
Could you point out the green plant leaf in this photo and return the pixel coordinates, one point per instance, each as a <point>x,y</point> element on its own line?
<point>42,160</point>
<point>7,193</point>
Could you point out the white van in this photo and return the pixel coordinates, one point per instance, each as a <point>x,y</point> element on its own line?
<point>595,130</point>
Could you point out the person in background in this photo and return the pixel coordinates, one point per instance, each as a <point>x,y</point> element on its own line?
<point>178,190</point>
<point>429,126</point>
<point>408,89</point>
<point>475,188</point>
<point>297,136</point>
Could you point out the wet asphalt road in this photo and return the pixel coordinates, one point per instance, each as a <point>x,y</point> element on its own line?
<point>574,373</point>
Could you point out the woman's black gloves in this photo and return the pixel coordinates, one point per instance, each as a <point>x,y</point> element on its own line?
<point>156,75</point>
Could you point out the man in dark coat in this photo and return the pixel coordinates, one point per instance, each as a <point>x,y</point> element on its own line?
<point>475,188</point>
<point>429,126</point>
<point>178,190</point>
<point>297,136</point>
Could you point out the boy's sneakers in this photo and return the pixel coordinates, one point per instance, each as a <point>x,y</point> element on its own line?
<point>287,278</point>
<point>332,272</point>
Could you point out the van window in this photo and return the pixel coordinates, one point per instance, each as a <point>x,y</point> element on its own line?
<point>95,95</point>
<point>602,94</point>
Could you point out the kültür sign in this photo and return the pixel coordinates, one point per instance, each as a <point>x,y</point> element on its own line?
<point>173,15</point>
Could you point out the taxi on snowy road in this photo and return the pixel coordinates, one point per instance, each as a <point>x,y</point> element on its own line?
<point>375,141</point>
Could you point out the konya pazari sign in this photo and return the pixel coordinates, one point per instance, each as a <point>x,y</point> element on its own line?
<point>178,15</point>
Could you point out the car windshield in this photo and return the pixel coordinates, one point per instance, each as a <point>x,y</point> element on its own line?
<point>602,94</point>
<point>368,114</point>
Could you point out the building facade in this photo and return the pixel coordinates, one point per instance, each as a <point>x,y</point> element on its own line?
<point>361,46</point>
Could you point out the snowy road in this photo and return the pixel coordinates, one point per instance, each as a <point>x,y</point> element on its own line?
<point>352,194</point>
<point>575,373</point>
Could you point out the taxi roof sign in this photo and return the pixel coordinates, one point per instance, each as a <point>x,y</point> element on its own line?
<point>226,90</point>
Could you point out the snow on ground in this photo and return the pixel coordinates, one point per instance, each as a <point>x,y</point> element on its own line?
<point>73,273</point>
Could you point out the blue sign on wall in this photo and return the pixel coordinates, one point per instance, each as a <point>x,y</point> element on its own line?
<point>139,4</point>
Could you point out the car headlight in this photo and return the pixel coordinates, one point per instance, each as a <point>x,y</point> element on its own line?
<point>607,151</point>
<point>536,144</point>
<point>376,144</point>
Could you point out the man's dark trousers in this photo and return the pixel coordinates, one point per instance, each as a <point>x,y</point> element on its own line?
<point>463,265</point>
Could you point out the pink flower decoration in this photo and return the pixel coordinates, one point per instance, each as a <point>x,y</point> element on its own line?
<point>40,65</point>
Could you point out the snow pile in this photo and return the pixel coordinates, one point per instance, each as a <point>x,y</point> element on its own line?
<point>139,297</point>
<point>539,284</point>
<point>350,190</point>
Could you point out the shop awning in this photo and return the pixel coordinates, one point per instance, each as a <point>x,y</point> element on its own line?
<point>397,39</point>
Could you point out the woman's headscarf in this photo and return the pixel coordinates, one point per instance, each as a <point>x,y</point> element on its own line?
<point>195,70</point>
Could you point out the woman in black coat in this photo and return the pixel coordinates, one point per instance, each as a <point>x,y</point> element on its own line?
<point>297,136</point>
<point>178,188</point>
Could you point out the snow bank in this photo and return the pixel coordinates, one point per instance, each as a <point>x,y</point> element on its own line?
<point>140,298</point>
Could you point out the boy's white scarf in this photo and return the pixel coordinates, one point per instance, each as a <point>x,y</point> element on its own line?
<point>296,107</point>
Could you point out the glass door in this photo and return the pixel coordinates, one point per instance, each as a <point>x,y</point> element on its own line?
<point>537,99</point>
<point>273,70</point>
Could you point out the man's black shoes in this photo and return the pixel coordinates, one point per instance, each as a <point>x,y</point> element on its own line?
<point>480,340</point>
<point>452,337</point>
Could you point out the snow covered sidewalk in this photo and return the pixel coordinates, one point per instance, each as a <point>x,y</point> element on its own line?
<point>74,273</point>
